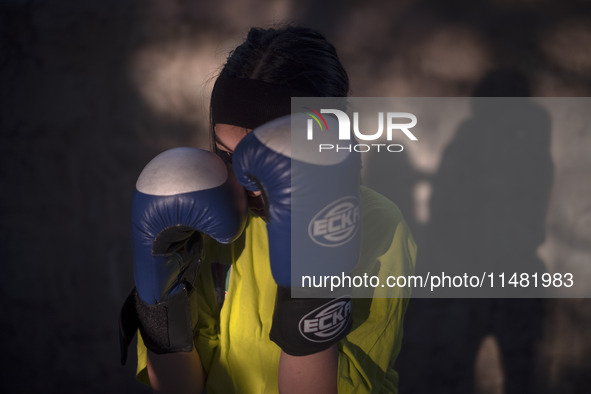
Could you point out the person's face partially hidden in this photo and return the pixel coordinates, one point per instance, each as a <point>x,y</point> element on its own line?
<point>226,138</point>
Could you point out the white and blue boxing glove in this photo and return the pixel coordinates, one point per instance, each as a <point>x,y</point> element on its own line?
<point>180,195</point>
<point>313,221</point>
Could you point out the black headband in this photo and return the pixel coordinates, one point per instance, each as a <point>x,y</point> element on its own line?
<point>249,102</point>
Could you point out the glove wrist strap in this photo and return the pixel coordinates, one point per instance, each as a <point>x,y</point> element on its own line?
<point>165,327</point>
<point>303,326</point>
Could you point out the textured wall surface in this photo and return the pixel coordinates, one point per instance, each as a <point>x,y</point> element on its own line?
<point>90,91</point>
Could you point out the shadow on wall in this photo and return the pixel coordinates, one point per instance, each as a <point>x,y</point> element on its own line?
<point>71,148</point>
<point>488,211</point>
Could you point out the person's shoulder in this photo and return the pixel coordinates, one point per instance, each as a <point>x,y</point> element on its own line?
<point>377,208</point>
<point>382,222</point>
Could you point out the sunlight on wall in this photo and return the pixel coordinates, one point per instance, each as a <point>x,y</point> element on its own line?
<point>488,370</point>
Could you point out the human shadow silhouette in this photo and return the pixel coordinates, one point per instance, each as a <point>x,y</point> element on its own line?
<point>487,214</point>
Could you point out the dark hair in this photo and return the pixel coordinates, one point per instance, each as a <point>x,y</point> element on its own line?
<point>293,56</point>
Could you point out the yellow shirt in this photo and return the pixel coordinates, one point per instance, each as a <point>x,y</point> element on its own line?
<point>233,342</point>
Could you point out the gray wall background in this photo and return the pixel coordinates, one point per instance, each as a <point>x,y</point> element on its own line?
<point>90,91</point>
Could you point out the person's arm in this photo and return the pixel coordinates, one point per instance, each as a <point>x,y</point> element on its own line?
<point>308,325</point>
<point>176,373</point>
<point>315,373</point>
<point>180,195</point>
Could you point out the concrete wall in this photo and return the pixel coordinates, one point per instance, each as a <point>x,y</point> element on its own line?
<point>90,91</point>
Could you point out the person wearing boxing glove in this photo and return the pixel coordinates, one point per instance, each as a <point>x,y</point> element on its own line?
<point>296,185</point>
<point>181,196</point>
<point>246,342</point>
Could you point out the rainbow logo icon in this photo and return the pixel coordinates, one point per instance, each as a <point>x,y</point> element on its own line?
<point>315,115</point>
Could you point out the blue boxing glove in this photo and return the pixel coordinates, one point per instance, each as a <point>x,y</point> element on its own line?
<point>180,195</point>
<point>313,221</point>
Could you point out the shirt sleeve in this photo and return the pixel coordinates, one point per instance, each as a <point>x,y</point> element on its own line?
<point>368,353</point>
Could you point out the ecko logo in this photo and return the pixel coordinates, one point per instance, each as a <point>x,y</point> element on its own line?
<point>345,125</point>
<point>337,223</point>
<point>328,321</point>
